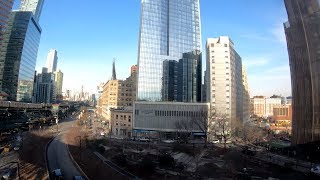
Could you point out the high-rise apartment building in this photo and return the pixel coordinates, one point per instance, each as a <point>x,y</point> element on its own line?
<point>246,96</point>
<point>35,6</point>
<point>168,30</point>
<point>44,87</point>
<point>224,78</point>
<point>303,40</point>
<point>5,10</point>
<point>18,55</point>
<point>58,82</point>
<point>52,60</point>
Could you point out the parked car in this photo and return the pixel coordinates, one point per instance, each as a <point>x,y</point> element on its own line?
<point>316,170</point>
<point>7,175</point>
<point>215,141</point>
<point>168,141</point>
<point>78,178</point>
<point>57,174</point>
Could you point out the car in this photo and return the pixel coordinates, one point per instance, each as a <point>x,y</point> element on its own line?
<point>78,178</point>
<point>168,141</point>
<point>16,148</point>
<point>7,175</point>
<point>316,170</point>
<point>57,174</point>
<point>215,141</point>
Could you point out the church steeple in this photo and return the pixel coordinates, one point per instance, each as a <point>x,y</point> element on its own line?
<point>114,75</point>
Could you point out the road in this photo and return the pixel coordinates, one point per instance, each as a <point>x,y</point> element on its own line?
<point>58,156</point>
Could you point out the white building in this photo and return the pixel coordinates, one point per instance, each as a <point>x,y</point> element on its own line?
<point>163,119</point>
<point>246,96</point>
<point>224,78</point>
<point>52,60</point>
<point>270,103</point>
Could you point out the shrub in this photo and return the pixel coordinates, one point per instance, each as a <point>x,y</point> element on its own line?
<point>120,159</point>
<point>166,160</point>
<point>148,165</point>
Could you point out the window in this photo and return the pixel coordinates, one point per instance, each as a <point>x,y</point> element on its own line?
<point>117,116</point>
<point>225,45</point>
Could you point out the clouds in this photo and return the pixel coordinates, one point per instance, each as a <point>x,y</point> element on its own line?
<point>254,62</point>
<point>268,81</point>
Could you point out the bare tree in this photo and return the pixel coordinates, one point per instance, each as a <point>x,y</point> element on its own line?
<point>184,128</point>
<point>219,126</point>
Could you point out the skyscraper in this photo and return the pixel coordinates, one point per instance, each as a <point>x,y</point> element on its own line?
<point>224,78</point>
<point>18,55</point>
<point>181,80</point>
<point>58,82</point>
<point>114,74</point>
<point>246,96</point>
<point>303,40</point>
<point>52,60</point>
<point>35,6</point>
<point>5,9</point>
<point>168,29</point>
<point>44,92</point>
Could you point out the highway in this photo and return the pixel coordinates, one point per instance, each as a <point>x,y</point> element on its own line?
<point>57,153</point>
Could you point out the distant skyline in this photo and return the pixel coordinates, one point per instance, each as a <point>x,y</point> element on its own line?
<point>88,37</point>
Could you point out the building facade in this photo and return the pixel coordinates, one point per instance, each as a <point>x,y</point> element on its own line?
<point>5,10</point>
<point>52,61</point>
<point>58,82</point>
<point>168,29</point>
<point>303,42</point>
<point>164,120</point>
<point>181,80</point>
<point>270,104</point>
<point>45,87</point>
<point>246,96</point>
<point>118,94</point>
<point>224,78</point>
<point>18,55</point>
<point>35,6</point>
<point>259,106</point>
<point>121,122</point>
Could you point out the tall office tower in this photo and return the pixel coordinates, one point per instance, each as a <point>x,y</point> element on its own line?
<point>114,74</point>
<point>246,96</point>
<point>58,82</point>
<point>168,29</point>
<point>303,40</point>
<point>44,92</point>
<point>5,10</point>
<point>181,80</point>
<point>18,55</point>
<point>52,60</point>
<point>35,6</point>
<point>224,78</point>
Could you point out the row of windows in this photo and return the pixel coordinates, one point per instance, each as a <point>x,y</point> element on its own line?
<point>181,113</point>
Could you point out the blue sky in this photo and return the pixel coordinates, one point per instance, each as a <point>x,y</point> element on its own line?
<point>89,34</point>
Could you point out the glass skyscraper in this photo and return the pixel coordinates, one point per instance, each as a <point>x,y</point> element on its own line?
<point>18,54</point>
<point>18,51</point>
<point>5,9</point>
<point>168,29</point>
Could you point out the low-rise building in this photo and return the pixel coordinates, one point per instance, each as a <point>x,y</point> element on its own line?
<point>165,120</point>
<point>121,122</point>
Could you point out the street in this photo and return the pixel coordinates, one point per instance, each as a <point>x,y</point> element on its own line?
<point>58,156</point>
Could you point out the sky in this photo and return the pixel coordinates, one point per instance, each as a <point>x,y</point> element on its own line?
<point>88,35</point>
